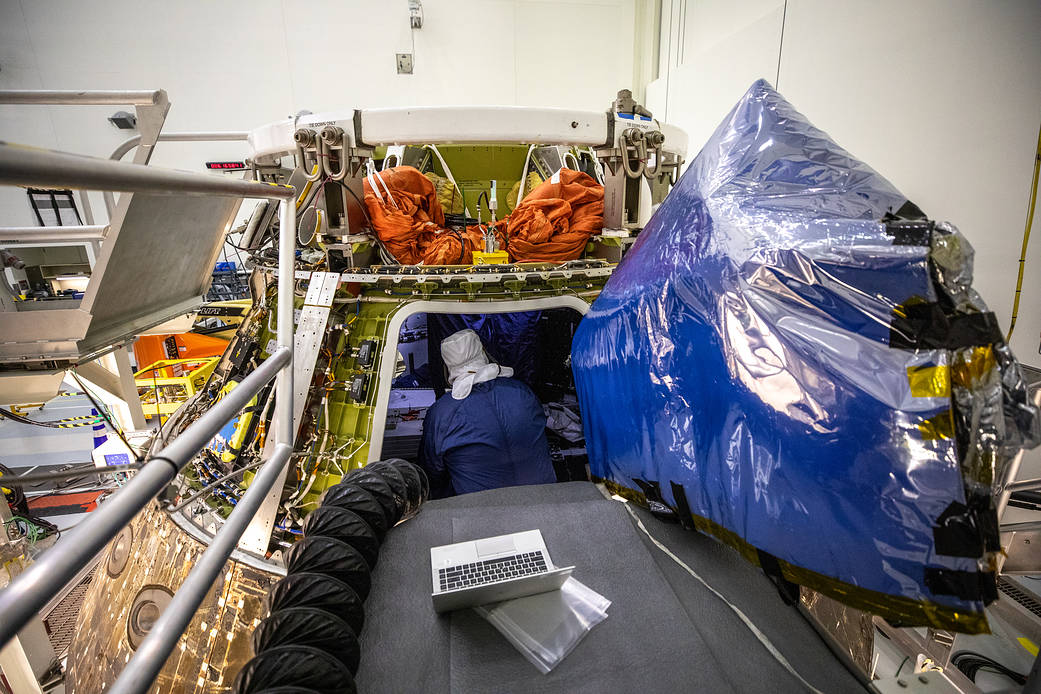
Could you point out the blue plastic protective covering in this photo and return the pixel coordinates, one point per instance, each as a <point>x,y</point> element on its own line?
<point>795,347</point>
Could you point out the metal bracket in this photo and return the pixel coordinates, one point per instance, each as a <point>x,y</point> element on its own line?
<point>307,342</point>
<point>127,387</point>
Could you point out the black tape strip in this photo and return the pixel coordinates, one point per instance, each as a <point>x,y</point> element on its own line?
<point>682,507</point>
<point>967,530</point>
<point>788,591</point>
<point>956,533</point>
<point>967,585</point>
<point>910,233</point>
<point>908,210</point>
<point>926,326</point>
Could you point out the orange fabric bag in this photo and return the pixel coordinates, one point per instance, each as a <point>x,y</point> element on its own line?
<point>554,222</point>
<point>404,210</point>
<point>445,249</point>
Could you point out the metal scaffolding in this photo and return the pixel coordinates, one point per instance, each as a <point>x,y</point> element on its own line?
<point>29,592</point>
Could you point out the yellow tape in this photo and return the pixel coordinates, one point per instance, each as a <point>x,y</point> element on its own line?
<point>940,426</point>
<point>972,367</point>
<point>1028,644</point>
<point>891,607</point>
<point>929,381</point>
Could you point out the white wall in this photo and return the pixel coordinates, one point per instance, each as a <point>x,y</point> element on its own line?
<point>237,64</point>
<point>943,97</point>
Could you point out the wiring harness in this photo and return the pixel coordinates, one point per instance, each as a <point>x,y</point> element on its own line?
<point>971,663</point>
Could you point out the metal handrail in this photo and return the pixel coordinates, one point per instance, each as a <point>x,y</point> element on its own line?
<point>31,590</point>
<point>127,145</point>
<point>143,668</point>
<point>27,166</point>
<point>216,136</point>
<point>1009,483</point>
<point>1024,486</point>
<point>1025,526</point>
<point>53,97</point>
<point>24,235</point>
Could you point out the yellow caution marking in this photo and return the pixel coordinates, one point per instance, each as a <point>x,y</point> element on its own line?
<point>929,381</point>
<point>1029,645</point>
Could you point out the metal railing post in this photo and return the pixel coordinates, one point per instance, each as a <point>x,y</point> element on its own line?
<point>286,282</point>
<point>148,661</point>
<point>143,668</point>
<point>127,145</point>
<point>33,588</point>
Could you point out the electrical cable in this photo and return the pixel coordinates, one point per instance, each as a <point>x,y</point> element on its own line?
<point>971,663</point>
<point>71,474</point>
<point>1026,238</point>
<point>749,624</point>
<point>32,531</point>
<point>448,174</point>
<point>214,483</point>
<point>56,424</point>
<point>101,410</point>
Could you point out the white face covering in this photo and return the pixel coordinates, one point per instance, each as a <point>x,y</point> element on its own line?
<point>467,363</point>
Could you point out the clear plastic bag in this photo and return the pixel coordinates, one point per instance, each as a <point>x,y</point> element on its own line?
<point>548,626</point>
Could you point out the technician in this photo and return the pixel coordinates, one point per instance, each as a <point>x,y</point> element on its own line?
<point>488,432</point>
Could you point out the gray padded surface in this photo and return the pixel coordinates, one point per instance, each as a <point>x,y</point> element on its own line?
<point>664,631</point>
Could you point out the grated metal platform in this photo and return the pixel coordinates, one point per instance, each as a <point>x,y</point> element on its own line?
<point>61,620</point>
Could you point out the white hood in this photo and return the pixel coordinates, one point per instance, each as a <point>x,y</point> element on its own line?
<point>467,363</point>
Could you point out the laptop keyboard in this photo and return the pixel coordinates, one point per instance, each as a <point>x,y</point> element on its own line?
<point>492,570</point>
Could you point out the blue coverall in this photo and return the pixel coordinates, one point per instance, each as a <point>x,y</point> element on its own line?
<point>495,437</point>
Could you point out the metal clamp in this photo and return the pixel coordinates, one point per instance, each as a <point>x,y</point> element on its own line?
<point>329,138</point>
<point>305,139</point>
<point>633,138</point>
<point>654,139</point>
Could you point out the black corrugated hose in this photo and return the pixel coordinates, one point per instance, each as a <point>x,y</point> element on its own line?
<point>308,644</point>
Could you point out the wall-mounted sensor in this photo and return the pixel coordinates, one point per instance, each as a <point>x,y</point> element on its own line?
<point>123,120</point>
<point>415,14</point>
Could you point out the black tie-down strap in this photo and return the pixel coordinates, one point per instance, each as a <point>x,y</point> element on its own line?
<point>655,503</point>
<point>682,507</point>
<point>788,591</point>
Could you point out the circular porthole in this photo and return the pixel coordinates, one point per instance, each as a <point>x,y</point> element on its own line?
<point>119,555</point>
<point>144,613</point>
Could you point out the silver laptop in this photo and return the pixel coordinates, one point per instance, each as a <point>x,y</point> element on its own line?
<point>493,569</point>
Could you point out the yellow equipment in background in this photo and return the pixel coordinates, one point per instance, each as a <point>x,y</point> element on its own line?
<point>493,258</point>
<point>165,385</point>
<point>229,440</point>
